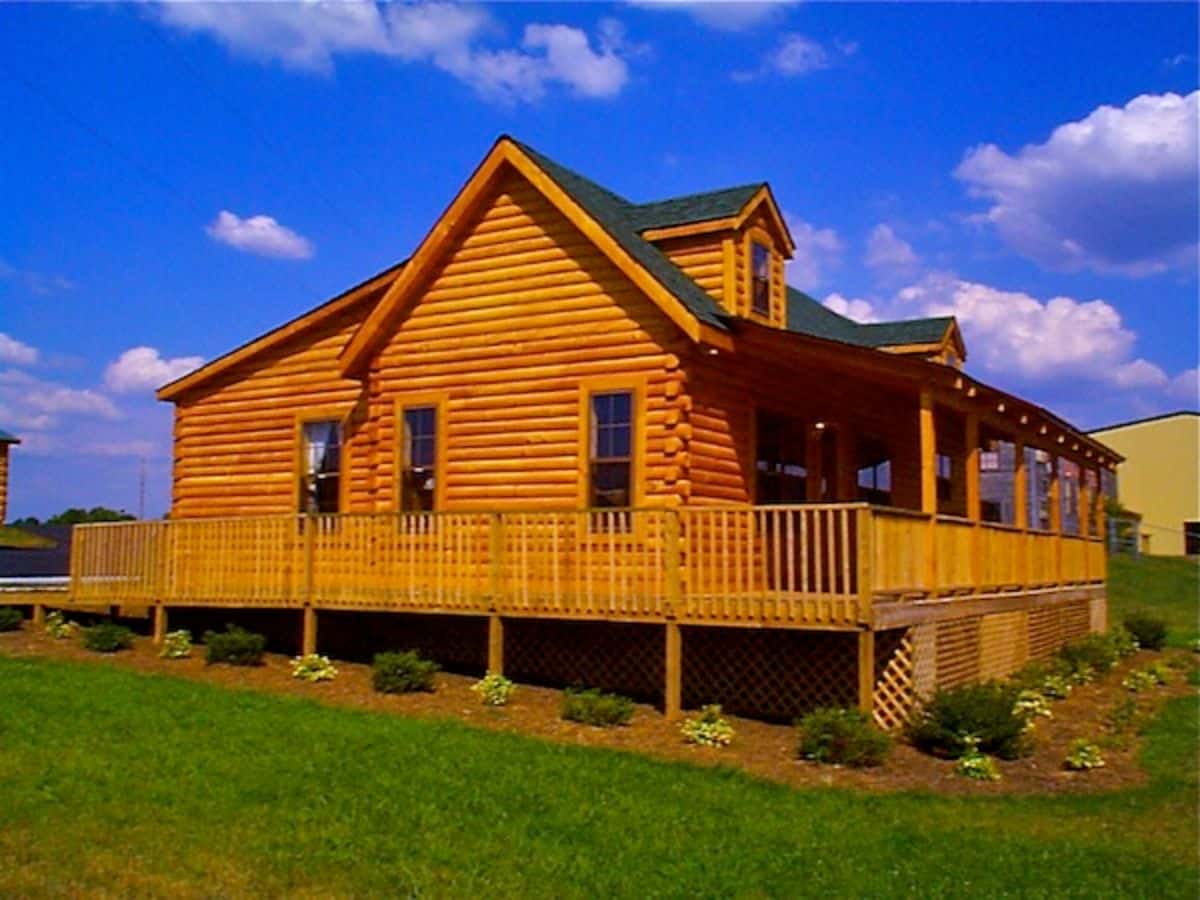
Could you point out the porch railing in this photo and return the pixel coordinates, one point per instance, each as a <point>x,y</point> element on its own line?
<point>783,565</point>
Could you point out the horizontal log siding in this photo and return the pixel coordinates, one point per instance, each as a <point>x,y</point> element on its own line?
<point>524,310</point>
<point>235,441</point>
<point>701,258</point>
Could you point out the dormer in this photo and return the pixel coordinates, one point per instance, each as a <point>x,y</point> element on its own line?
<point>733,243</point>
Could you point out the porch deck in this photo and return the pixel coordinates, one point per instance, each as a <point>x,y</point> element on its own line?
<point>806,566</point>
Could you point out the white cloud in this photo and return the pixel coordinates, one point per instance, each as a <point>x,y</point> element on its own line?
<point>889,253</point>
<point>818,251</point>
<point>16,353</point>
<point>852,308</point>
<point>33,403</point>
<point>1116,191</point>
<point>34,282</point>
<point>1185,387</point>
<point>738,15</point>
<point>143,369</point>
<point>795,55</point>
<point>1015,334</point>
<point>261,235</point>
<point>135,448</point>
<point>309,36</point>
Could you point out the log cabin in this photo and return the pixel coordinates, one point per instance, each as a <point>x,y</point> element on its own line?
<point>576,438</point>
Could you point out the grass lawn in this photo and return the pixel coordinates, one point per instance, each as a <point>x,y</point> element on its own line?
<point>1164,586</point>
<point>119,783</point>
<point>20,539</point>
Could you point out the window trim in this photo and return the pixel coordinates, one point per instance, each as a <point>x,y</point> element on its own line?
<point>439,401</point>
<point>758,235</point>
<point>341,414</point>
<point>635,386</point>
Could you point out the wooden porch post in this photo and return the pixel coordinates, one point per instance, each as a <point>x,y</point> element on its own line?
<point>673,689</point>
<point>974,508</point>
<point>495,661</point>
<point>866,671</point>
<point>928,448</point>
<point>814,461</point>
<point>846,489</point>
<point>160,623</point>
<point>308,637</point>
<point>39,616</point>
<point>1021,504</point>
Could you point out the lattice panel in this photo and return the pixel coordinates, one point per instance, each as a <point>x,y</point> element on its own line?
<point>924,658</point>
<point>629,659</point>
<point>894,694</point>
<point>1076,620</point>
<point>458,643</point>
<point>957,644</point>
<point>769,674</point>
<point>1003,644</point>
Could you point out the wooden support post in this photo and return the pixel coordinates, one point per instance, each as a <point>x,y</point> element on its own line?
<point>39,616</point>
<point>495,663</point>
<point>160,623</point>
<point>846,489</point>
<point>673,689</point>
<point>672,561</point>
<point>495,558</point>
<point>865,560</point>
<point>308,637</point>
<point>310,557</point>
<point>866,671</point>
<point>928,449</point>
<point>974,506</point>
<point>814,460</point>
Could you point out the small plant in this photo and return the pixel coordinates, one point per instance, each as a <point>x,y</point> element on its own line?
<point>1149,631</point>
<point>313,667</point>
<point>107,637</point>
<point>1032,705</point>
<point>845,737</point>
<point>1083,756</point>
<point>176,644</point>
<point>1160,670</point>
<point>591,706</point>
<point>1057,687</point>
<point>1124,643</point>
<point>1139,680</point>
<point>1085,674</point>
<point>235,646</point>
<point>708,729</point>
<point>10,618</point>
<point>494,689</point>
<point>1089,656</point>
<point>1122,716</point>
<point>986,712</point>
<point>974,764</point>
<point>58,627</point>
<point>402,673</point>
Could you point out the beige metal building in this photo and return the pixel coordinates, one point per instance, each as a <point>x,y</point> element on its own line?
<point>1160,478</point>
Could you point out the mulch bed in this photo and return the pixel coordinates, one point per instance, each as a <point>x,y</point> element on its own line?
<point>760,749</point>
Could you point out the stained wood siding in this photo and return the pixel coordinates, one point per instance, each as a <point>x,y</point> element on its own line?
<point>235,440</point>
<point>520,318</point>
<point>701,258</point>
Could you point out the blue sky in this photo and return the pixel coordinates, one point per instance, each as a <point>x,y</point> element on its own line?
<point>179,178</point>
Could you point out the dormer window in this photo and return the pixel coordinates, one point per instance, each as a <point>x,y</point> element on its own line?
<point>760,279</point>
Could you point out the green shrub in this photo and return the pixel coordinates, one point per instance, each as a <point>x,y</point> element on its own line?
<point>313,668</point>
<point>58,627</point>
<point>1083,755</point>
<point>107,637</point>
<point>1139,680</point>
<point>402,673</point>
<point>985,713</point>
<point>709,728</point>
<point>594,707</point>
<point>1057,687</point>
<point>1087,657</point>
<point>10,618</point>
<point>1149,631</point>
<point>235,646</point>
<point>176,644</point>
<point>494,689</point>
<point>1124,643</point>
<point>845,737</point>
<point>1031,705</point>
<point>974,764</point>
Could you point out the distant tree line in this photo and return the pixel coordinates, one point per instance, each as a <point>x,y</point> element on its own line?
<point>77,516</point>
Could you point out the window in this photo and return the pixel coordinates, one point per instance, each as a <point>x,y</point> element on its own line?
<point>782,473</point>
<point>321,467</point>
<point>874,473</point>
<point>996,482</point>
<point>611,450</point>
<point>1191,538</point>
<point>1068,493</point>
<point>760,279</point>
<point>945,477</point>
<point>418,477</point>
<point>1039,465</point>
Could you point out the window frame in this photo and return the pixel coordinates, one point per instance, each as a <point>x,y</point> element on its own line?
<point>636,388</point>
<point>438,401</point>
<point>755,243</point>
<point>339,414</point>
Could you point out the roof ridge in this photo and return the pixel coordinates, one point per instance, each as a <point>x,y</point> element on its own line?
<point>696,195</point>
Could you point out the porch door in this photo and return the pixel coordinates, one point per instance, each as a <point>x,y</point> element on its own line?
<point>781,475</point>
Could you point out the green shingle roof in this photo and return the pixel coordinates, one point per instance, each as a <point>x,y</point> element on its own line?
<point>809,316</point>
<point>624,220</point>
